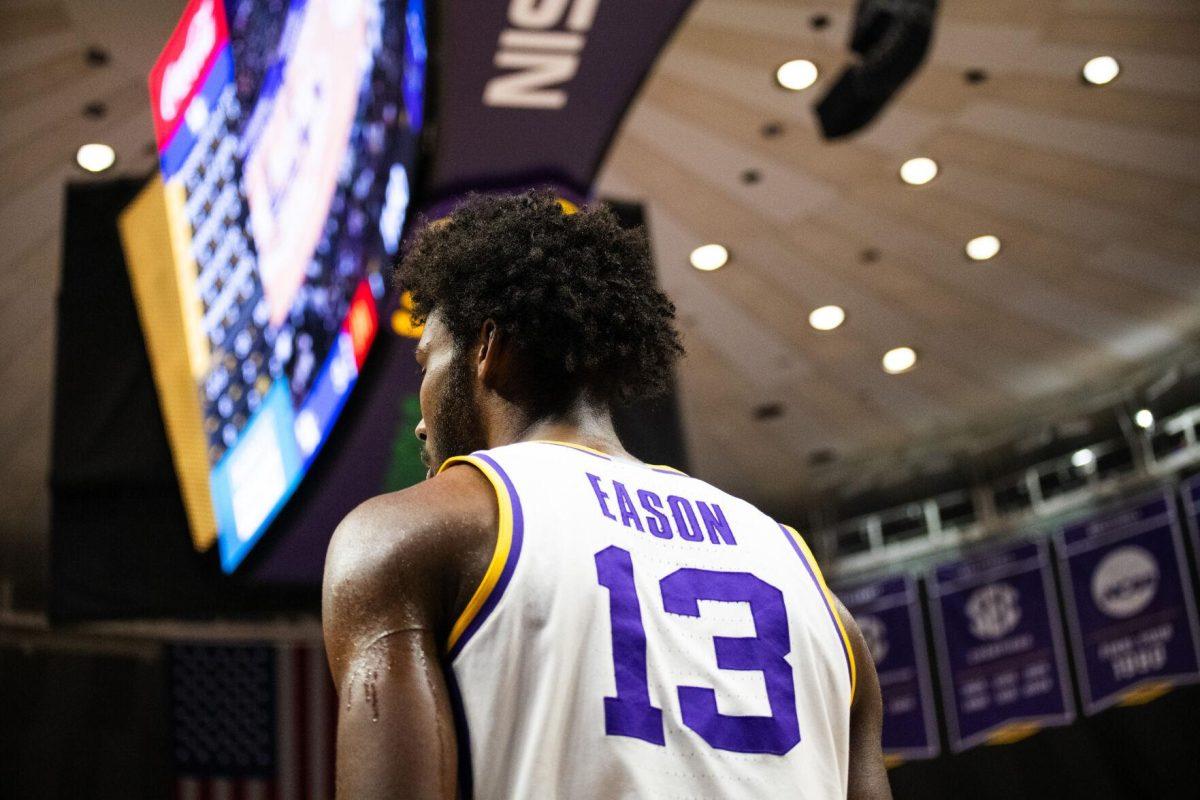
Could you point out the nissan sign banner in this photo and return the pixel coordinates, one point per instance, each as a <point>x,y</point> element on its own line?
<point>530,92</point>
<point>1131,606</point>
<point>889,614</point>
<point>999,645</point>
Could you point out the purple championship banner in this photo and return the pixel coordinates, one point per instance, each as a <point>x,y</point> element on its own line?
<point>1131,607</point>
<point>1190,489</point>
<point>889,613</point>
<point>1000,646</point>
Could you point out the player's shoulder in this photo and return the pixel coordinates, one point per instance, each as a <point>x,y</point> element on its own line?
<point>414,534</point>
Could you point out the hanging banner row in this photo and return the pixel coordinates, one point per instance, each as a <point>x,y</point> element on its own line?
<point>996,628</point>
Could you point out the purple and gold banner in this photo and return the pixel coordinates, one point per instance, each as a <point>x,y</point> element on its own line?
<point>889,613</point>
<point>1000,651</point>
<point>1131,606</point>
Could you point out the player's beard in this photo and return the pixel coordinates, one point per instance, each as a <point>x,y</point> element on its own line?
<point>457,425</point>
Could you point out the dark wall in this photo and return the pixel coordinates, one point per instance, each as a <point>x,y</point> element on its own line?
<point>76,726</point>
<point>651,429</point>
<point>1149,752</point>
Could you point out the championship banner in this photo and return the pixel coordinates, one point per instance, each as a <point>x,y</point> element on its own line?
<point>530,93</point>
<point>1190,489</point>
<point>1131,606</point>
<point>889,614</point>
<point>1000,650</point>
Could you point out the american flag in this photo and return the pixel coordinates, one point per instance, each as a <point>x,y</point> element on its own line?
<point>252,722</point>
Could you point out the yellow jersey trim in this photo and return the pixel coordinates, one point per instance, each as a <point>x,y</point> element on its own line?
<point>602,454</point>
<point>574,446</point>
<point>837,618</point>
<point>504,538</point>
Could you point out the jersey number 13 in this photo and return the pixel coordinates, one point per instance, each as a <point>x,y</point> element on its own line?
<point>631,713</point>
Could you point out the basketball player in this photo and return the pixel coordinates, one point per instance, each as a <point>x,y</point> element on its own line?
<point>548,617</point>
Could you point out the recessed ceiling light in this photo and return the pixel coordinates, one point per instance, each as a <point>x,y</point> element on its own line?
<point>981,248</point>
<point>899,359</point>
<point>918,171</point>
<point>1144,418</point>
<point>708,257</point>
<point>1082,458</point>
<point>797,75</point>
<point>826,318</point>
<point>1101,70</point>
<point>95,157</point>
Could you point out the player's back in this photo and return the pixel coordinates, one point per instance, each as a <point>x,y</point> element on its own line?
<point>640,633</point>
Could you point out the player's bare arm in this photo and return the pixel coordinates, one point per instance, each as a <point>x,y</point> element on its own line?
<point>399,570</point>
<point>868,775</point>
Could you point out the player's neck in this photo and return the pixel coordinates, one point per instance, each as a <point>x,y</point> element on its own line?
<point>584,422</point>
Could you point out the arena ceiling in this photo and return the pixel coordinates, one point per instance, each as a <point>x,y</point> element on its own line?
<point>1094,193</point>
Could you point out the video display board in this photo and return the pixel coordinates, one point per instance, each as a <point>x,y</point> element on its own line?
<point>287,133</point>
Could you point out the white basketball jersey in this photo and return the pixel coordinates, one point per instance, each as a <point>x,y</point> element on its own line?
<point>641,634</point>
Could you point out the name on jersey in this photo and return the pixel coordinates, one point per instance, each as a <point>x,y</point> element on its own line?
<point>666,518</point>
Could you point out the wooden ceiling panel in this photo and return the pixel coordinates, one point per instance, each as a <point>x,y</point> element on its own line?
<point>1095,193</point>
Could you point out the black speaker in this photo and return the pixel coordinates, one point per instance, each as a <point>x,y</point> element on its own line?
<point>892,38</point>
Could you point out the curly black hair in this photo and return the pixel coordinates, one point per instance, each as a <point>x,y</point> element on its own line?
<point>576,291</point>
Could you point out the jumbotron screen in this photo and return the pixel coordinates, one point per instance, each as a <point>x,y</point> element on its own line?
<point>287,136</point>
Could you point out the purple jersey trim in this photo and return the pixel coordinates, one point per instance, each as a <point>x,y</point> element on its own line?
<point>837,628</point>
<point>514,552</point>
<point>462,734</point>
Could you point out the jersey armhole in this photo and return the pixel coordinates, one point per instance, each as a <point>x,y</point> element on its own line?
<point>810,562</point>
<point>499,572</point>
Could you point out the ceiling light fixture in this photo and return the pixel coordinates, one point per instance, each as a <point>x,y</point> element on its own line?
<point>709,257</point>
<point>981,248</point>
<point>918,171</point>
<point>1082,458</point>
<point>797,75</point>
<point>899,359</point>
<point>95,157</point>
<point>826,318</point>
<point>1101,70</point>
<point>1144,419</point>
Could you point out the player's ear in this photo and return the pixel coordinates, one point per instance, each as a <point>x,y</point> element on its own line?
<point>490,355</point>
<point>498,366</point>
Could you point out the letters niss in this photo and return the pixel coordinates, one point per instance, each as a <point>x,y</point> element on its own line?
<point>539,58</point>
<point>692,521</point>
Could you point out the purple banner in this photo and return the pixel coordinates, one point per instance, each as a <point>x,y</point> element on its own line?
<point>1131,607</point>
<point>530,92</point>
<point>1190,489</point>
<point>889,614</point>
<point>999,644</point>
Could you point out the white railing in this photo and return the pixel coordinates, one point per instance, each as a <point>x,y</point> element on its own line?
<point>1036,496</point>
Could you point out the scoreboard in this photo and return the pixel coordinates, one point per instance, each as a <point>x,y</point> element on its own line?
<point>287,138</point>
